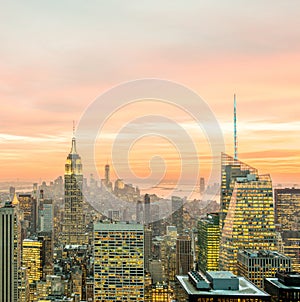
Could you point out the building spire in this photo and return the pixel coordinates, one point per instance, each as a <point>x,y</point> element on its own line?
<point>73,150</point>
<point>235,133</point>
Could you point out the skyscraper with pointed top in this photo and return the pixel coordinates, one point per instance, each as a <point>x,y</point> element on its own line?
<point>73,226</point>
<point>247,214</point>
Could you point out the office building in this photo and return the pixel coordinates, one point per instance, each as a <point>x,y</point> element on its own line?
<point>118,262</point>
<point>184,255</point>
<point>217,286</point>
<point>257,265</point>
<point>28,207</point>
<point>47,252</point>
<point>285,287</point>
<point>147,209</point>
<point>249,221</point>
<point>147,247</point>
<point>73,225</point>
<point>287,209</point>
<point>8,254</point>
<point>156,271</point>
<point>177,213</point>
<point>231,169</point>
<point>23,285</point>
<point>45,215</point>
<point>287,222</point>
<point>106,181</point>
<point>209,242</point>
<point>161,292</point>
<point>139,214</point>
<point>202,185</point>
<point>32,260</point>
<point>114,215</point>
<point>291,247</point>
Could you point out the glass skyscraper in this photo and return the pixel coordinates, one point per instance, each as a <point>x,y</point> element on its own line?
<point>209,242</point>
<point>247,202</point>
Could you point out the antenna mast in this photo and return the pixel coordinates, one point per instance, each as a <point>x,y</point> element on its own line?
<point>235,134</point>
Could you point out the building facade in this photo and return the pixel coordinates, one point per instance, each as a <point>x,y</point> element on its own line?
<point>118,262</point>
<point>257,265</point>
<point>32,259</point>
<point>177,213</point>
<point>287,222</point>
<point>209,242</point>
<point>287,209</point>
<point>231,169</point>
<point>184,255</point>
<point>285,287</point>
<point>73,231</point>
<point>8,254</point>
<point>249,221</point>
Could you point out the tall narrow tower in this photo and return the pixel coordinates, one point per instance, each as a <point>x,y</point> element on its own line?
<point>235,133</point>
<point>73,226</point>
<point>107,180</point>
<point>8,254</point>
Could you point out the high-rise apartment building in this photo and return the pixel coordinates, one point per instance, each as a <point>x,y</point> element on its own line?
<point>73,225</point>
<point>118,262</point>
<point>257,265</point>
<point>247,201</point>
<point>8,254</point>
<point>209,242</point>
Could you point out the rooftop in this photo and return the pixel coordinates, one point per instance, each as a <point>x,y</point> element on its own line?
<point>262,254</point>
<point>120,226</point>
<point>246,288</point>
<point>220,274</point>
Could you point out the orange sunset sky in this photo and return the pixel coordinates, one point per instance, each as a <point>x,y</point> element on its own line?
<point>57,57</point>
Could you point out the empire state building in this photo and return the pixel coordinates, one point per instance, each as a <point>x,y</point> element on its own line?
<point>73,227</point>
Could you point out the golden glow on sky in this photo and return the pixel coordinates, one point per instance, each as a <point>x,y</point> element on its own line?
<point>56,58</point>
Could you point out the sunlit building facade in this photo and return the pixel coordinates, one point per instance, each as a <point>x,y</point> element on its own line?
<point>118,262</point>
<point>249,221</point>
<point>209,242</point>
<point>32,259</point>
<point>231,169</point>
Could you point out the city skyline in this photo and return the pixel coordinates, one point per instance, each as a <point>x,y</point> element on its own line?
<point>51,75</point>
